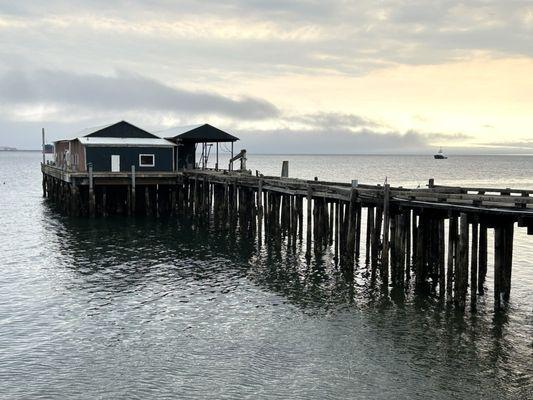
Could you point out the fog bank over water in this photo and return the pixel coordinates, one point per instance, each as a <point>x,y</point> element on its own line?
<point>338,140</point>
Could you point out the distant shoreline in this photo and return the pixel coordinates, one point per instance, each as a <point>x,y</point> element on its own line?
<point>14,150</point>
<point>18,150</point>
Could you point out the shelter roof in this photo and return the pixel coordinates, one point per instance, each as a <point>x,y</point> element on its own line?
<point>199,134</point>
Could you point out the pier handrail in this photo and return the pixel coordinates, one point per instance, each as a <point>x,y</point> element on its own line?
<point>480,190</point>
<point>438,197</point>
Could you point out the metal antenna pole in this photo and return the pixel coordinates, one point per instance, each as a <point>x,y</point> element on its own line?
<point>44,147</point>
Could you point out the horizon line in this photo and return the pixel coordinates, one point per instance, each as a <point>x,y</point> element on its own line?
<point>14,150</point>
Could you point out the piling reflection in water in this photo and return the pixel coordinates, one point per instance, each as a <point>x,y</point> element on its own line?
<point>269,253</point>
<point>164,308</point>
<point>191,257</point>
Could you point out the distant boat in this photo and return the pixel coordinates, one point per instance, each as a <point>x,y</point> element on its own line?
<point>440,155</point>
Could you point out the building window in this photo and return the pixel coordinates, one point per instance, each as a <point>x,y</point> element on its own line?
<point>146,160</point>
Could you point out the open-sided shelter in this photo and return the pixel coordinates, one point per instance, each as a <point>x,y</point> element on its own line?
<point>188,138</point>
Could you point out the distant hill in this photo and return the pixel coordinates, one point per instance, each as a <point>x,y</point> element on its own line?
<point>49,149</point>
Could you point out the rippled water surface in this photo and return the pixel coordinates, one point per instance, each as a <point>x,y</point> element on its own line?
<point>145,308</point>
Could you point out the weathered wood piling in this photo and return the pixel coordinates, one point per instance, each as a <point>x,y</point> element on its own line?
<point>438,234</point>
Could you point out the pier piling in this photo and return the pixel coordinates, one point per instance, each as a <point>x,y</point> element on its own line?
<point>431,234</point>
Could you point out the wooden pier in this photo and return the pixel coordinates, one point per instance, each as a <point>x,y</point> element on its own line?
<point>433,239</point>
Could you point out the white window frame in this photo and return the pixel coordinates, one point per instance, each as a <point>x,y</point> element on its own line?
<point>146,165</point>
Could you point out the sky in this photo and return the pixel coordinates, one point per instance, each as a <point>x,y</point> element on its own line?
<point>336,76</point>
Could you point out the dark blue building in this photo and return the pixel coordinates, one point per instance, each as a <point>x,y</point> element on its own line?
<point>116,148</point>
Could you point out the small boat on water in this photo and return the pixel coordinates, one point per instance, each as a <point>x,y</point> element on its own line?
<point>440,155</point>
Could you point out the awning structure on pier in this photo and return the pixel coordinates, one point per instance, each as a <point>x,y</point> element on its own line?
<point>202,134</point>
<point>188,138</point>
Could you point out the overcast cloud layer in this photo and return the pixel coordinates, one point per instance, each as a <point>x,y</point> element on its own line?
<point>66,65</point>
<point>121,92</point>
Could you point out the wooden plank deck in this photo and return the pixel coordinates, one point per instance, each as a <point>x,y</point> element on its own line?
<point>514,202</point>
<point>517,203</point>
<point>109,178</point>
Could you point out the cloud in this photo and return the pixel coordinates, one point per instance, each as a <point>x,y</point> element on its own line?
<point>345,37</point>
<point>331,120</point>
<point>365,141</point>
<point>313,139</point>
<point>326,141</point>
<point>341,133</point>
<point>518,144</point>
<point>121,92</point>
<point>448,136</point>
<point>236,46</point>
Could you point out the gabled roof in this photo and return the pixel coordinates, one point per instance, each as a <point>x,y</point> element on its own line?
<point>199,134</point>
<point>125,142</point>
<point>177,130</point>
<point>120,129</point>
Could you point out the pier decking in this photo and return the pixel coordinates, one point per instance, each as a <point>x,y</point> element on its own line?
<point>435,235</point>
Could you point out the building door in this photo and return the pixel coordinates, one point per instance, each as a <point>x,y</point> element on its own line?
<point>115,163</point>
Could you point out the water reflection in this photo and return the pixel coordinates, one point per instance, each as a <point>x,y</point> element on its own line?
<point>208,293</point>
<point>140,308</point>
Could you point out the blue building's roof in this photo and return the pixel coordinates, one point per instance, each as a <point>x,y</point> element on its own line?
<point>125,142</point>
<point>120,129</point>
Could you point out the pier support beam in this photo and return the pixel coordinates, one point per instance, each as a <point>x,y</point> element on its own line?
<point>508,265</point>
<point>75,203</point>
<point>376,239</point>
<point>407,245</point>
<point>285,169</point>
<point>498,265</point>
<point>350,242</point>
<point>309,220</point>
<point>503,259</point>
<point>420,254</point>
<point>92,197</point>
<point>386,225</point>
<point>369,231</point>
<point>474,267</point>
<point>441,258</point>
<point>482,270</point>
<point>133,200</point>
<point>147,202</point>
<point>358,229</point>
<point>461,272</point>
<point>44,184</point>
<point>452,246</point>
<point>402,226</point>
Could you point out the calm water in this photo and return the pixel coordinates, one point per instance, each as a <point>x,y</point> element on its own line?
<point>142,308</point>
